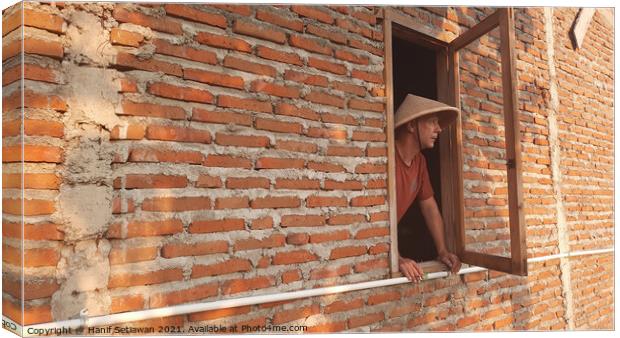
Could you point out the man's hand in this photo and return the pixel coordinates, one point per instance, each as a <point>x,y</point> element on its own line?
<point>410,269</point>
<point>451,260</point>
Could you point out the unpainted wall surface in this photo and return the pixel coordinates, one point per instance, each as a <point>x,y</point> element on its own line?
<point>179,153</point>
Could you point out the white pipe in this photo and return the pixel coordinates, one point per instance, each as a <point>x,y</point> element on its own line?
<point>253,300</point>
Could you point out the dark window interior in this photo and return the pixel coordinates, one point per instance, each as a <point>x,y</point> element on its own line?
<point>414,71</point>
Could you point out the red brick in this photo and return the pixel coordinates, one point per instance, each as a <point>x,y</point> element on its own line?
<point>32,207</point>
<point>131,255</point>
<point>313,12</point>
<point>213,78</point>
<point>226,267</point>
<point>325,167</point>
<point>149,278</point>
<point>291,276</point>
<point>369,168</point>
<point>139,181</point>
<point>247,104</point>
<point>247,284</point>
<point>339,119</point>
<point>273,241</point>
<point>173,250</point>
<point>346,185</point>
<point>257,31</point>
<point>297,238</point>
<point>220,313</point>
<point>279,20</point>
<point>178,134</point>
<point>281,317</point>
<point>329,236</point>
<point>232,203</point>
<point>180,93</point>
<point>278,126</point>
<point>351,57</point>
<point>349,88</point>
<point>153,110</point>
<point>33,100</point>
<point>297,184</point>
<point>243,10</point>
<point>291,110</point>
<point>206,181</point>
<point>279,56</point>
<point>12,49</point>
<point>373,264</point>
<point>327,66</point>
<point>247,182</point>
<point>40,231</point>
<point>176,204</point>
<point>126,303</point>
<point>467,321</point>
<point>248,66</point>
<point>227,162</point>
<point>344,151</point>
<point>227,224</point>
<point>275,202</point>
<point>279,163</point>
<point>49,22</point>
<point>193,14</point>
<point>368,136</point>
<point>153,228</point>
<point>183,296</point>
<point>31,72</point>
<point>376,152</point>
<point>131,61</point>
<point>293,257</point>
<point>347,251</point>
<point>372,232</point>
<point>156,23</point>
<point>404,310</point>
<point>342,219</point>
<point>335,133</point>
<point>309,79</point>
<point>366,105</point>
<point>380,298</point>
<point>342,305</point>
<point>129,132</point>
<point>274,89</point>
<point>326,99</point>
<point>125,38</point>
<point>184,52</point>
<point>295,146</point>
<point>221,117</point>
<point>153,155</point>
<point>31,181</point>
<point>312,45</point>
<point>262,223</point>
<point>223,41</point>
<point>326,201</point>
<point>43,47</point>
<point>365,320</point>
<point>302,220</point>
<point>366,201</point>
<point>379,249</point>
<point>367,76</point>
<point>242,140</point>
<point>128,85</point>
<point>327,34</point>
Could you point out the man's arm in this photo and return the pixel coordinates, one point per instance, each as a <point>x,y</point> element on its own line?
<point>434,222</point>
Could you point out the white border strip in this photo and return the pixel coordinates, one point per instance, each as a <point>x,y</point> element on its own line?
<point>253,300</point>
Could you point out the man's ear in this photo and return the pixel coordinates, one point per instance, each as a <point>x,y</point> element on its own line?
<point>411,126</point>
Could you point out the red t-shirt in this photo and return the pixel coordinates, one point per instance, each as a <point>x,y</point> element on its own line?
<point>411,183</point>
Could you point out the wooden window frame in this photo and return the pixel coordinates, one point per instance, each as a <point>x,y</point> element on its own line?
<point>451,157</point>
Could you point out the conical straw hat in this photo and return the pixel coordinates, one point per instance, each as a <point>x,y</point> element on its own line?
<point>415,106</point>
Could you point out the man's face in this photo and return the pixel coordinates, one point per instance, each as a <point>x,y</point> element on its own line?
<point>429,130</point>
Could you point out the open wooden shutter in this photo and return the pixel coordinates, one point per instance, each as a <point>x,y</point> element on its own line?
<point>517,262</point>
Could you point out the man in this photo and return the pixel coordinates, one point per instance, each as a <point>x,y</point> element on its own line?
<point>418,122</point>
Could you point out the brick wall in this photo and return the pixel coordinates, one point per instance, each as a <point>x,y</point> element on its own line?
<point>182,153</point>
